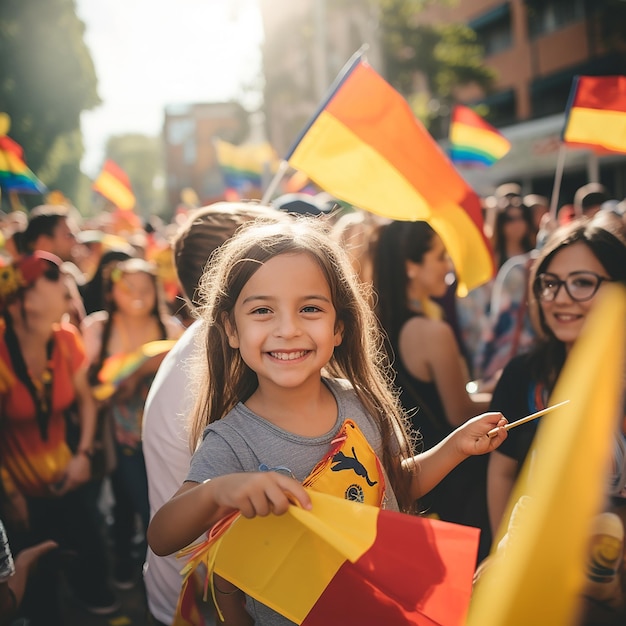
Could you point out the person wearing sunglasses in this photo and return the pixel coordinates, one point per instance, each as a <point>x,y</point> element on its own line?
<point>567,276</point>
<point>514,230</point>
<point>43,371</point>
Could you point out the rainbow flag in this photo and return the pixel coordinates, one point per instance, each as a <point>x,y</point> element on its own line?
<point>14,173</point>
<point>120,366</point>
<point>243,167</point>
<point>474,142</point>
<point>344,562</point>
<point>365,147</point>
<point>540,575</point>
<point>596,113</point>
<point>113,183</point>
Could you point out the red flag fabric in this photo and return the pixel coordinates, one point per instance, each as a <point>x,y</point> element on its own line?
<point>346,563</point>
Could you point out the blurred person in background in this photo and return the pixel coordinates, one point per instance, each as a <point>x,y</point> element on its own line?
<point>410,268</point>
<point>52,229</point>
<point>589,198</point>
<point>514,231</point>
<point>43,371</point>
<point>134,316</point>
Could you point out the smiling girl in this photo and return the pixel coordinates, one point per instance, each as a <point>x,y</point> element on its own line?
<point>292,376</point>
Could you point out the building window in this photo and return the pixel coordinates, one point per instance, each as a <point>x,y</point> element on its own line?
<point>494,29</point>
<point>179,129</point>
<point>547,16</point>
<point>549,95</point>
<point>501,108</point>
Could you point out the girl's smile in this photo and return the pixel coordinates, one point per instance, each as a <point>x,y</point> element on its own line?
<point>285,324</point>
<point>289,356</point>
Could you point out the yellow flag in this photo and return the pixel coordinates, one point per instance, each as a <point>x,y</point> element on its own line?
<point>538,579</point>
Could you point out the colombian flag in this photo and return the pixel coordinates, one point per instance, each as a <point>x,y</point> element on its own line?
<point>113,183</point>
<point>14,173</point>
<point>365,146</point>
<point>347,563</point>
<point>596,113</point>
<point>474,142</point>
<point>538,579</point>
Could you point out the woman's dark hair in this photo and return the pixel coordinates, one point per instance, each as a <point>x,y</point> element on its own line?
<point>398,242</point>
<point>92,291</point>
<point>502,217</point>
<point>608,245</point>
<point>159,311</point>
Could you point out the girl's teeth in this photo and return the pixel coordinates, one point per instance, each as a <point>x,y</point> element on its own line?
<point>284,356</point>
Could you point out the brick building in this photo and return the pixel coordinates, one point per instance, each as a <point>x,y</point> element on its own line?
<point>188,132</point>
<point>537,47</point>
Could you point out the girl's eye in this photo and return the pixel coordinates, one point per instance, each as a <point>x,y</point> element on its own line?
<point>311,309</point>
<point>262,310</point>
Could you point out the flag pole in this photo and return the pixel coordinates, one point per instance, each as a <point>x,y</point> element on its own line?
<point>558,176</point>
<point>271,188</point>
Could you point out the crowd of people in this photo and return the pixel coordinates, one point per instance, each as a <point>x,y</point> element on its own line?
<point>156,377</point>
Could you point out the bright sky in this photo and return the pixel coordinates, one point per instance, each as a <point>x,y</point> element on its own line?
<point>152,53</point>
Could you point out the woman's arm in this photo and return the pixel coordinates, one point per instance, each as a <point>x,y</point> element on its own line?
<point>79,468</point>
<point>430,467</point>
<point>439,356</point>
<point>501,476</point>
<point>86,409</point>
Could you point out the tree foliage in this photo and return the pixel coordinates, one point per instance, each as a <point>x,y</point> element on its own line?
<point>439,57</point>
<point>47,79</point>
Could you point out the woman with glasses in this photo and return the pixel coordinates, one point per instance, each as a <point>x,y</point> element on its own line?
<point>566,278</point>
<point>43,371</point>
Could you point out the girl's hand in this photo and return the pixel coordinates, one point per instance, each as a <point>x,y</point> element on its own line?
<point>259,493</point>
<point>471,438</point>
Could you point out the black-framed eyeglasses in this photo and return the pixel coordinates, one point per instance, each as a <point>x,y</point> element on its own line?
<point>580,286</point>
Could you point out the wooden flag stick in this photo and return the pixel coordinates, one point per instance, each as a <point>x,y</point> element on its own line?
<point>528,418</point>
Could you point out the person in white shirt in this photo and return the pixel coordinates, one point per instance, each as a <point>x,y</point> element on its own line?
<point>165,437</point>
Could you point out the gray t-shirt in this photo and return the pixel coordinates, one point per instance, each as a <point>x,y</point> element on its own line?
<point>245,442</point>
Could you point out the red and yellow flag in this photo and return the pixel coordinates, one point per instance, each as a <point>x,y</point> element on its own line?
<point>347,563</point>
<point>113,183</point>
<point>365,146</point>
<point>596,113</point>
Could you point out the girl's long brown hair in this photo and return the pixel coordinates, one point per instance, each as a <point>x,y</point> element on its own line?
<point>223,378</point>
